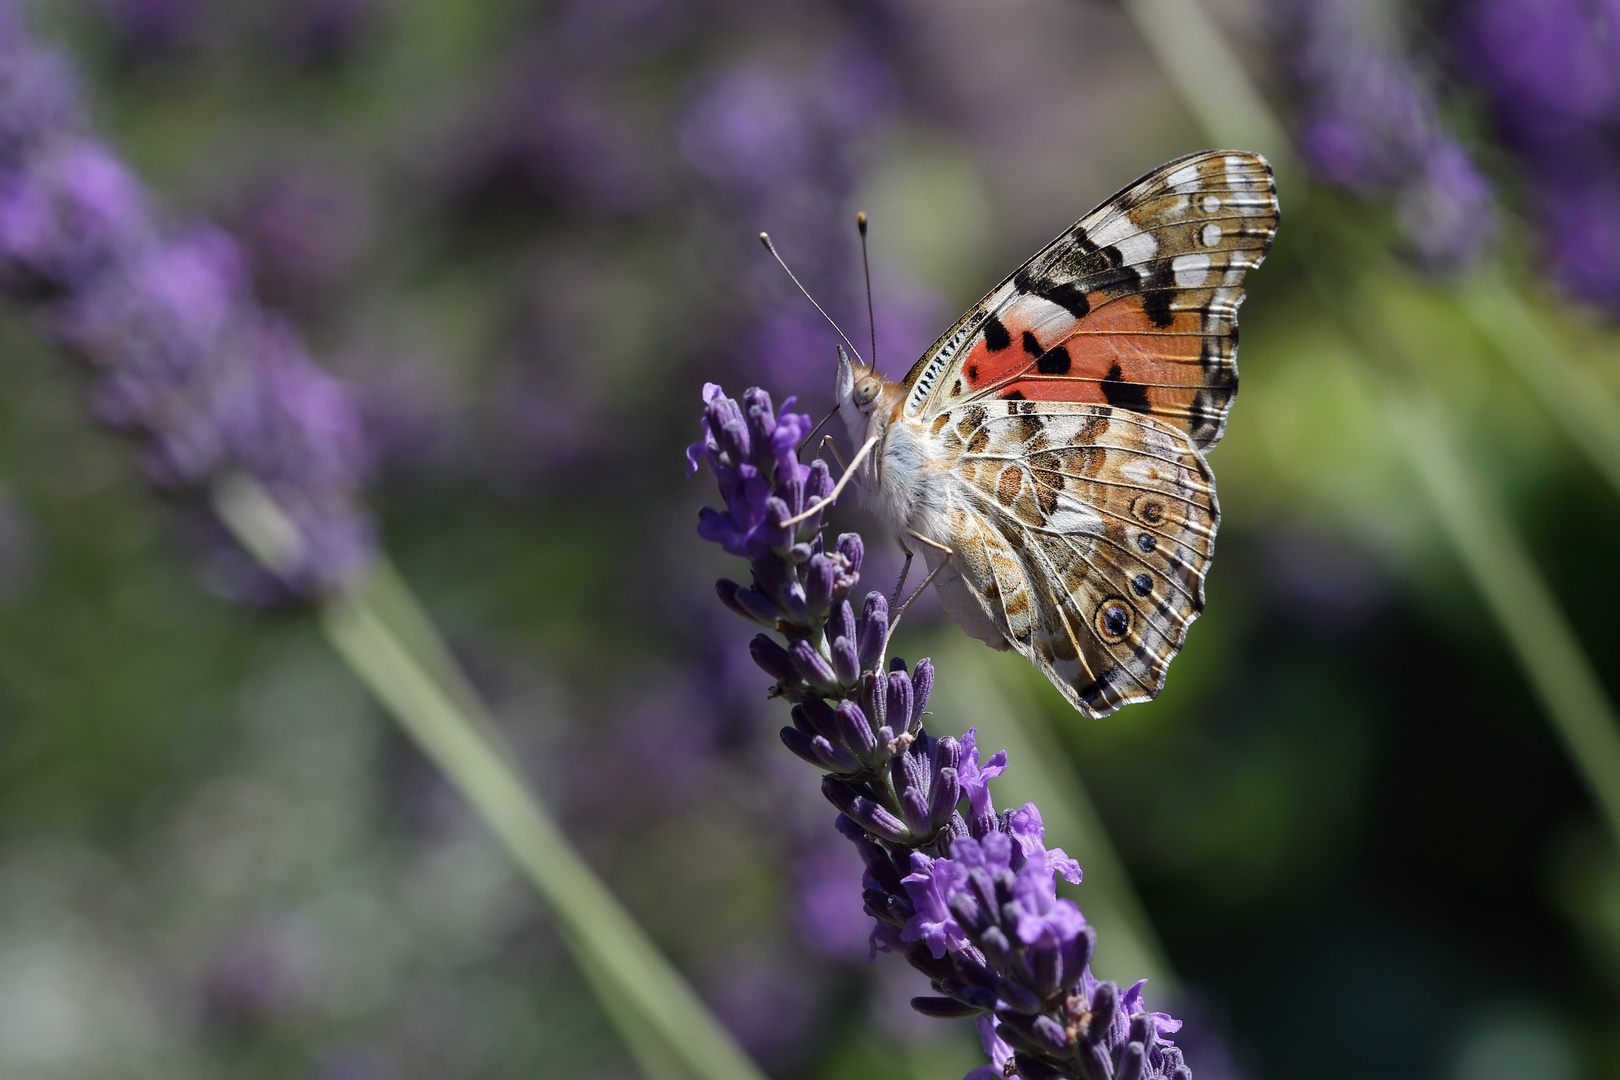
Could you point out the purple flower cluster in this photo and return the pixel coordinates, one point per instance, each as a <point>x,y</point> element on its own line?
<point>1369,122</point>
<point>1551,69</point>
<point>971,901</point>
<point>179,351</point>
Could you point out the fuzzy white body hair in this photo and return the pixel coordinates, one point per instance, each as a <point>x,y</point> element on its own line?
<point>909,487</point>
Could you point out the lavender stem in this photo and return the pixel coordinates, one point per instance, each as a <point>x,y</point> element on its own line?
<point>442,715</point>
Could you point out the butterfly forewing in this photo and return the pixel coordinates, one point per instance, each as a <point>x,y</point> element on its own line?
<point>1134,307</point>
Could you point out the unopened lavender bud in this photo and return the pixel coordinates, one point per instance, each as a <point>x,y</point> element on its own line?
<point>835,757</point>
<point>818,586</point>
<point>967,912</point>
<point>997,945</point>
<point>819,484</point>
<point>801,745</point>
<point>885,736</point>
<point>1018,1032</point>
<point>863,811</point>
<point>1181,1073</point>
<point>875,698</point>
<point>812,666</point>
<point>846,665</point>
<point>914,804</point>
<point>955,829</point>
<point>1104,1004</point>
<point>853,729</point>
<point>749,603</point>
<point>794,608</point>
<point>759,416</point>
<point>1130,1062</point>
<point>874,630</point>
<point>1077,954</point>
<point>842,622</point>
<point>946,793</point>
<point>886,906</point>
<point>981,998</point>
<point>900,700</point>
<point>851,547</point>
<point>1051,1035</point>
<point>773,659</point>
<point>1044,965</point>
<point>984,890</point>
<point>820,717</point>
<point>1143,1030</point>
<point>944,1008</point>
<point>947,753</point>
<point>1018,998</point>
<point>773,533</point>
<point>922,684</point>
<point>800,554</point>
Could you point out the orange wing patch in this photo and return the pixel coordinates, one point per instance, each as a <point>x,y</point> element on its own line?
<point>1135,306</point>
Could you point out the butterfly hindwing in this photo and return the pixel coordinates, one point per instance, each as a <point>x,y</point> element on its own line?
<point>1084,532</point>
<point>1134,307</point>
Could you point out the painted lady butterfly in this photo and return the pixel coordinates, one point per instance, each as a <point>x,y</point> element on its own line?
<point>1048,450</point>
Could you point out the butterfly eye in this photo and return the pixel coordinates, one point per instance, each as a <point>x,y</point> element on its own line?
<point>866,391</point>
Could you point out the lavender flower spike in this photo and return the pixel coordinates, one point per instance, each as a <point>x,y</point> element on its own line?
<point>179,351</point>
<point>969,901</point>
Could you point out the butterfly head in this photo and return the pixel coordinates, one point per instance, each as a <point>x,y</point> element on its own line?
<point>858,386</point>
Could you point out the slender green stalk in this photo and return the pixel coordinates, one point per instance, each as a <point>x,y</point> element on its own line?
<point>390,644</point>
<point>1551,656</point>
<point>1581,404</point>
<point>1201,64</point>
<point>612,946</point>
<point>982,695</point>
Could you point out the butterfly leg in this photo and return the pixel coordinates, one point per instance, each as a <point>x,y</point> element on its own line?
<point>830,443</point>
<point>849,473</point>
<point>905,571</point>
<point>927,581</point>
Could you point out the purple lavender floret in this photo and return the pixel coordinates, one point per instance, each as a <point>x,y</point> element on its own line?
<point>969,901</point>
<point>1551,71</point>
<point>180,352</point>
<point>1368,121</point>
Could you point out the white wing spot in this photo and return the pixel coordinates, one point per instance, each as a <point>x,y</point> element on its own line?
<point>1073,516</point>
<point>1212,203</point>
<point>1137,248</point>
<point>1190,270</point>
<point>1184,179</point>
<point>1212,234</point>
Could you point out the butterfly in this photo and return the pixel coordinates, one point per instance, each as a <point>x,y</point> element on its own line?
<point>1048,450</point>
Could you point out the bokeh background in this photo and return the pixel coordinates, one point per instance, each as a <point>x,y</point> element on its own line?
<point>524,233</point>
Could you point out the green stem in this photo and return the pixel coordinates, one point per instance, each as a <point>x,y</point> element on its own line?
<point>1548,651</point>
<point>1581,404</point>
<point>612,947</point>
<point>388,641</point>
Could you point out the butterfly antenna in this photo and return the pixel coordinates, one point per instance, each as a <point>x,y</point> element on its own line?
<point>765,238</point>
<point>866,268</point>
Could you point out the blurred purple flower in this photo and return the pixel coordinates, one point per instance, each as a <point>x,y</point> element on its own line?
<point>1368,121</point>
<point>324,31</point>
<point>152,28</point>
<point>766,1004</point>
<point>1551,69</point>
<point>305,230</point>
<point>179,351</point>
<point>973,906</point>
